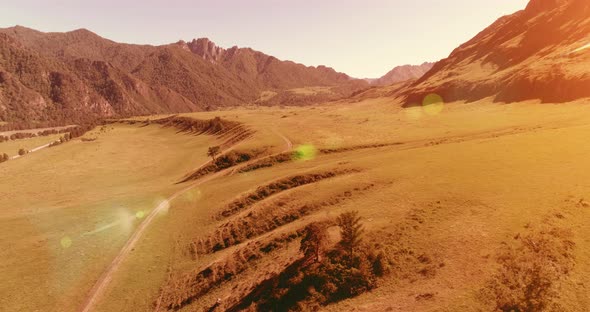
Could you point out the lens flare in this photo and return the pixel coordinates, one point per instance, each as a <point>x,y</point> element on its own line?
<point>581,48</point>
<point>304,152</point>
<point>65,242</point>
<point>433,104</point>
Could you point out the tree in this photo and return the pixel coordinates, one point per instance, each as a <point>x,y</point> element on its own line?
<point>22,151</point>
<point>4,157</point>
<point>314,241</point>
<point>351,231</point>
<point>213,151</point>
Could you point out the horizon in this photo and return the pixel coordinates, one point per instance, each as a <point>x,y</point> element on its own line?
<point>375,54</point>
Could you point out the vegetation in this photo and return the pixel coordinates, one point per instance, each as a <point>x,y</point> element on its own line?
<point>272,188</point>
<point>313,242</point>
<point>314,280</point>
<point>63,139</point>
<point>22,152</point>
<point>529,273</point>
<point>351,230</point>
<point>227,160</point>
<point>4,157</point>
<point>213,151</point>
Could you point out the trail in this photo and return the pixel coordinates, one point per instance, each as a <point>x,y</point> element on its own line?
<point>101,284</point>
<point>33,150</point>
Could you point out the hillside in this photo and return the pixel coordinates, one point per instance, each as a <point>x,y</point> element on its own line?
<point>537,53</point>
<point>402,73</point>
<point>77,75</point>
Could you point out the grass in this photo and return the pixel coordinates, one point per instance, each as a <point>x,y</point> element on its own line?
<point>265,96</point>
<point>446,191</point>
<point>311,90</point>
<point>12,147</point>
<point>68,209</point>
<point>456,187</point>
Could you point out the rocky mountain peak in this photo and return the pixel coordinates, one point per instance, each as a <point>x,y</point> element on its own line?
<point>206,49</point>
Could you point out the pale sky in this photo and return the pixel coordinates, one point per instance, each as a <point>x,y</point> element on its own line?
<point>363,38</point>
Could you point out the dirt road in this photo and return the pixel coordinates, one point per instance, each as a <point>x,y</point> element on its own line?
<point>104,280</point>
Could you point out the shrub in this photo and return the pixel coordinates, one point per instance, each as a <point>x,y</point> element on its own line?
<point>4,157</point>
<point>22,151</point>
<point>528,277</point>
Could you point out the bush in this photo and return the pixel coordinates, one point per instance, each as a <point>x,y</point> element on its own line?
<point>4,157</point>
<point>22,151</point>
<point>528,277</point>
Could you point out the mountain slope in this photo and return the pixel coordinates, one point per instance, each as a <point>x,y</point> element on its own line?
<point>402,73</point>
<point>532,54</point>
<point>95,77</point>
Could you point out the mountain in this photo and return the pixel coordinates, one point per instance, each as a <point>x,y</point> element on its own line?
<point>537,53</point>
<point>402,73</point>
<point>78,75</point>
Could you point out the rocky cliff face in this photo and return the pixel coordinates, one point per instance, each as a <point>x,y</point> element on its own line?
<point>206,49</point>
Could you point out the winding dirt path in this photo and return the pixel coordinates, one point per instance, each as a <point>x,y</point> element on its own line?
<point>102,283</point>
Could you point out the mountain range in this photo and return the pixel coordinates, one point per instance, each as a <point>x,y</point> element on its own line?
<point>402,73</point>
<point>78,75</point>
<point>540,53</point>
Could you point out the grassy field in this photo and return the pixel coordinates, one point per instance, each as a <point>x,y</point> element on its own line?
<point>67,210</point>
<point>461,182</point>
<point>448,186</point>
<point>12,147</point>
<point>311,90</point>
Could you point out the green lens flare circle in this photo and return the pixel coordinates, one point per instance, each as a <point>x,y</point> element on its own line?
<point>433,104</point>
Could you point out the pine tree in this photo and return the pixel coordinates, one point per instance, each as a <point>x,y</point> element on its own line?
<point>351,231</point>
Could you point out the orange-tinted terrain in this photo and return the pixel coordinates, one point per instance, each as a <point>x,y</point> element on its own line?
<point>191,177</point>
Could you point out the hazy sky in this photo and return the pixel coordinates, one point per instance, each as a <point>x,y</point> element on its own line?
<point>363,38</point>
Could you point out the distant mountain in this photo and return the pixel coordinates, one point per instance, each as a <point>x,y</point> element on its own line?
<point>402,73</point>
<point>79,75</point>
<point>537,53</point>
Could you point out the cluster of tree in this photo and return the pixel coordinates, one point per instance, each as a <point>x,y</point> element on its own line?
<point>65,138</point>
<point>22,135</point>
<point>4,157</point>
<point>25,135</point>
<point>80,130</point>
<point>324,274</point>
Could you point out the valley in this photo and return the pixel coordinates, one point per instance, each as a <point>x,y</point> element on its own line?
<point>445,176</point>
<point>186,176</point>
